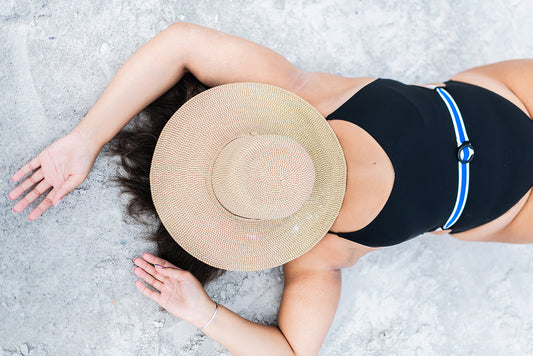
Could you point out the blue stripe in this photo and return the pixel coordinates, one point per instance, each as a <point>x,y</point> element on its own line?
<point>456,118</point>
<point>463,184</point>
<point>462,189</point>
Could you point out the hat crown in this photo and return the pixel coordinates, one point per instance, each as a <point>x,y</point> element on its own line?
<point>263,176</point>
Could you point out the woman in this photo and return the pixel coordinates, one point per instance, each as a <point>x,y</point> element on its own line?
<point>376,206</point>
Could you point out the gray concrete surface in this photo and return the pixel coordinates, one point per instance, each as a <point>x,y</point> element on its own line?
<point>66,280</point>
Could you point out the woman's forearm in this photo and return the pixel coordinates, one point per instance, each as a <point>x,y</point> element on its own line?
<point>181,294</point>
<point>145,76</point>
<point>243,337</point>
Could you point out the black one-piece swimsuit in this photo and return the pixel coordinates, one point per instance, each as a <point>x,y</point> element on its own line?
<point>413,125</point>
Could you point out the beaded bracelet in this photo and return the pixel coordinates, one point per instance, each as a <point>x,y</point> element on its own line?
<point>212,318</point>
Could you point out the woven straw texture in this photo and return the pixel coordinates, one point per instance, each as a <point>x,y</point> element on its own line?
<point>263,176</point>
<point>181,177</point>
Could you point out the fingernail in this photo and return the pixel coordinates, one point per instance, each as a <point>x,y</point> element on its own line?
<point>158,266</point>
<point>15,211</point>
<point>57,203</point>
<point>30,219</point>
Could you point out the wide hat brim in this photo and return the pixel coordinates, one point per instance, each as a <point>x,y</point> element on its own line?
<point>180,176</point>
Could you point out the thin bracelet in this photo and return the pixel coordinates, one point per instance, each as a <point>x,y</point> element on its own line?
<point>212,318</point>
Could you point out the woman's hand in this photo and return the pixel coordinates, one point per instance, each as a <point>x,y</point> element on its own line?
<point>178,291</point>
<point>61,166</point>
<point>181,294</point>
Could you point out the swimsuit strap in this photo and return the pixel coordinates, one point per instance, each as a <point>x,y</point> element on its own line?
<point>465,153</point>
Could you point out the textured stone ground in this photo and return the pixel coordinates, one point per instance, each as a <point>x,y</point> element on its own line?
<point>66,279</point>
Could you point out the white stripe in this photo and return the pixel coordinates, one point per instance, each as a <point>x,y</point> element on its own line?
<point>449,222</point>
<point>463,128</point>
<point>459,127</point>
<point>466,188</point>
<point>444,94</point>
<point>452,116</point>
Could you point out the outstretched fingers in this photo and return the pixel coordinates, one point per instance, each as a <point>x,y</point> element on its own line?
<point>148,292</point>
<point>157,260</point>
<point>42,207</point>
<point>173,273</point>
<point>150,263</point>
<point>148,278</point>
<point>27,168</point>
<point>148,268</point>
<point>36,192</point>
<point>27,184</point>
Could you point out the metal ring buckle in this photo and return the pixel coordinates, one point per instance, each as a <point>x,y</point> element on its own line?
<point>469,154</point>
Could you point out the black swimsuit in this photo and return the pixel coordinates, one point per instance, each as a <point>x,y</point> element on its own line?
<point>413,125</point>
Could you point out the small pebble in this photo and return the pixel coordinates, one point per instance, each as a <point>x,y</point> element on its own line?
<point>51,38</point>
<point>122,242</point>
<point>24,349</point>
<point>159,323</point>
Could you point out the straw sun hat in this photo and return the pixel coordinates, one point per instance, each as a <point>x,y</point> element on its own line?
<point>247,176</point>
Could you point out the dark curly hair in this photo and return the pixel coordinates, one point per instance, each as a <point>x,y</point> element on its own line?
<point>135,146</point>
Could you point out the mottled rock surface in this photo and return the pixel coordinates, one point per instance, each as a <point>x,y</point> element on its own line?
<point>66,279</point>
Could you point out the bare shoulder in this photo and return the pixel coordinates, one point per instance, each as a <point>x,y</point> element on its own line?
<point>330,253</point>
<point>326,92</point>
<point>511,79</point>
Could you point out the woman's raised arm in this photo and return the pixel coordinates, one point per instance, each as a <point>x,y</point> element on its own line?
<point>213,57</point>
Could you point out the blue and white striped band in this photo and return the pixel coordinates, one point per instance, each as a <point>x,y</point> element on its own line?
<point>465,153</point>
